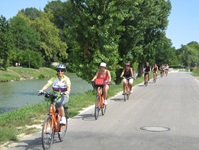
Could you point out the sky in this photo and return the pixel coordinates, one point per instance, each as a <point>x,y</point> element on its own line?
<point>183,24</point>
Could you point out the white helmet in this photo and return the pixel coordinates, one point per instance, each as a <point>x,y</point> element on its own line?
<point>103,64</point>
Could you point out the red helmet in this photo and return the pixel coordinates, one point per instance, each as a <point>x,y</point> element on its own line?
<point>127,64</point>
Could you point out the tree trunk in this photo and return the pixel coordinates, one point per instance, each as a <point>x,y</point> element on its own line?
<point>140,69</point>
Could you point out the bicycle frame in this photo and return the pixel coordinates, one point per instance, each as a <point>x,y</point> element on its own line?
<point>99,104</point>
<point>55,119</point>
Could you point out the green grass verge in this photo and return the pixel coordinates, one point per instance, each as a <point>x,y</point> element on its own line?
<point>195,72</point>
<point>17,73</point>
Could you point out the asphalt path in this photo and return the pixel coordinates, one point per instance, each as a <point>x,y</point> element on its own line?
<point>162,116</point>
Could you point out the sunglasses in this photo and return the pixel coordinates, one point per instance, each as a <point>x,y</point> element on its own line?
<point>60,70</point>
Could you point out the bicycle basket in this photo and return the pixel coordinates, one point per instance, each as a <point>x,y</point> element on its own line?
<point>99,81</point>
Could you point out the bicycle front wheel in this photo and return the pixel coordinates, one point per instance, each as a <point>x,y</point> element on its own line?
<point>97,109</point>
<point>48,133</point>
<point>62,131</point>
<point>103,109</point>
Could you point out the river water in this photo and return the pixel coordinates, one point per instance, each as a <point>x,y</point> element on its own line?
<point>18,94</point>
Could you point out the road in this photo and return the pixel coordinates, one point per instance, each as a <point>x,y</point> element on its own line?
<point>168,110</point>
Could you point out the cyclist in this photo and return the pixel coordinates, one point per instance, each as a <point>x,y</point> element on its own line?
<point>127,73</point>
<point>146,71</point>
<point>155,70</point>
<point>166,69</point>
<point>103,73</point>
<point>162,70</point>
<point>60,83</point>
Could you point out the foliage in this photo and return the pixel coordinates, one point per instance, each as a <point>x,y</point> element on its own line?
<point>6,42</point>
<point>25,36</point>
<point>51,46</point>
<point>190,54</point>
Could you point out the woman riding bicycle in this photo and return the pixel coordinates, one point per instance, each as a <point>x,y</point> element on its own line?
<point>146,71</point>
<point>103,73</point>
<point>155,70</point>
<point>60,83</point>
<point>128,72</point>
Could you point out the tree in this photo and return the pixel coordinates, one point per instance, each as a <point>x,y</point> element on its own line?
<point>51,46</point>
<point>6,42</point>
<point>24,35</point>
<point>190,54</point>
<point>93,30</point>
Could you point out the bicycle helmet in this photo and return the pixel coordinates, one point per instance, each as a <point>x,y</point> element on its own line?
<point>61,66</point>
<point>103,64</point>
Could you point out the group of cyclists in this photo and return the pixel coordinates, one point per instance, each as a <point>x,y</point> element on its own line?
<point>147,69</point>
<point>61,83</point>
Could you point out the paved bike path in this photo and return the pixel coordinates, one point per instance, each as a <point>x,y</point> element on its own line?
<point>171,102</point>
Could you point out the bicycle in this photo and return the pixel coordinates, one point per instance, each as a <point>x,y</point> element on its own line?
<point>146,79</point>
<point>99,102</point>
<point>51,124</point>
<point>126,90</point>
<point>154,77</point>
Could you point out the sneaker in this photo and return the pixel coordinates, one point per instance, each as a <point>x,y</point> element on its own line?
<point>63,120</point>
<point>105,102</point>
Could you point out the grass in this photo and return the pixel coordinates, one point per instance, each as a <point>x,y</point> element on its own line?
<point>19,73</point>
<point>195,72</point>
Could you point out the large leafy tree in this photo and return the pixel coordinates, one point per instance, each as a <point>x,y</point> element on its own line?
<point>144,29</point>
<point>93,28</point>
<point>190,54</point>
<point>24,35</point>
<point>6,42</point>
<point>51,45</point>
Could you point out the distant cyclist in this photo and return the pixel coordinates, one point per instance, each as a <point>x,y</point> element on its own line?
<point>155,71</point>
<point>127,73</point>
<point>162,69</point>
<point>146,70</point>
<point>60,83</point>
<point>166,69</point>
<point>103,73</point>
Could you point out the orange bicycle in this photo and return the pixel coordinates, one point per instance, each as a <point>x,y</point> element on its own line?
<point>51,124</point>
<point>99,103</point>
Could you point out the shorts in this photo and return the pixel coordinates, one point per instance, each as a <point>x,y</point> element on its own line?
<point>146,73</point>
<point>130,81</point>
<point>61,101</point>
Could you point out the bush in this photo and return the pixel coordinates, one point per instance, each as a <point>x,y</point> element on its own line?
<point>41,76</point>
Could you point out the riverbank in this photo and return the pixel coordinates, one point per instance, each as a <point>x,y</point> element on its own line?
<point>20,73</point>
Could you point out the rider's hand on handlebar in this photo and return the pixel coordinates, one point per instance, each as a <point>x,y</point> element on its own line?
<point>40,92</point>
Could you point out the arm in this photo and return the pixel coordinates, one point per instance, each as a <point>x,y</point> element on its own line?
<point>132,72</point>
<point>109,77</point>
<point>122,73</point>
<point>45,87</point>
<point>95,76</point>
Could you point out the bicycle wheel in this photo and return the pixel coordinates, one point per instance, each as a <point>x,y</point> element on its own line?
<point>103,109</point>
<point>48,133</point>
<point>97,109</point>
<point>62,131</point>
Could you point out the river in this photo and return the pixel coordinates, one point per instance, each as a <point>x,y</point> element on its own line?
<point>18,94</point>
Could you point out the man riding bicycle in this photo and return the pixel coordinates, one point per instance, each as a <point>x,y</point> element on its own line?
<point>60,83</point>
<point>128,72</point>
